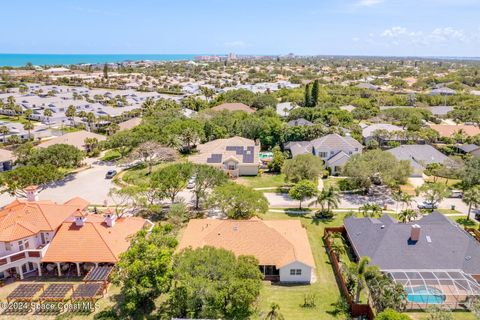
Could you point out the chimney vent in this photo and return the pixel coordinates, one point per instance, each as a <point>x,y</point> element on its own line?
<point>32,193</point>
<point>415,232</point>
<point>79,218</point>
<point>110,219</point>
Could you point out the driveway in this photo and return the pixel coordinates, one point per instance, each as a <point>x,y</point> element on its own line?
<point>89,184</point>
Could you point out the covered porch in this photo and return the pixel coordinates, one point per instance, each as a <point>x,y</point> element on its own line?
<point>270,273</point>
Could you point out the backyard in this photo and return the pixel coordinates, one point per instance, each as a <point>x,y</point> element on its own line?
<point>325,289</point>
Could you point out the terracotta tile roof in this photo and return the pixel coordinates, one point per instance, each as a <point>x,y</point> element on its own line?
<point>22,218</point>
<point>94,241</point>
<point>272,242</point>
<point>449,130</point>
<point>233,107</point>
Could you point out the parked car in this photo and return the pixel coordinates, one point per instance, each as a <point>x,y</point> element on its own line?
<point>456,194</point>
<point>427,205</point>
<point>191,183</point>
<point>110,174</point>
<point>476,212</point>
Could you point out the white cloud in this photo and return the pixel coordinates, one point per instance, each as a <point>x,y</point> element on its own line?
<point>369,3</point>
<point>402,36</point>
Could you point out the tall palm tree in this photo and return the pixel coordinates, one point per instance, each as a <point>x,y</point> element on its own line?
<point>48,113</point>
<point>4,131</point>
<point>360,273</point>
<point>329,197</point>
<point>472,198</point>
<point>274,313</point>
<point>70,113</point>
<point>28,126</point>
<point>406,215</point>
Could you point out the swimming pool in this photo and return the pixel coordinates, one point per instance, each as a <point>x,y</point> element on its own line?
<point>265,154</point>
<point>428,295</point>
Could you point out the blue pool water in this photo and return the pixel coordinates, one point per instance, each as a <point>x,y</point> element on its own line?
<point>426,295</point>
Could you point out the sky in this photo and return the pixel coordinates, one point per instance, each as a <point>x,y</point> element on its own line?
<point>303,27</point>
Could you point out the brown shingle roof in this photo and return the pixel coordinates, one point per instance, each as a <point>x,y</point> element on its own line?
<point>446,130</point>
<point>272,242</point>
<point>76,139</point>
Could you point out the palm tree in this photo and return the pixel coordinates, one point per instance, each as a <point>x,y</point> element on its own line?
<point>407,215</point>
<point>360,273</point>
<point>90,120</point>
<point>472,198</point>
<point>4,131</point>
<point>28,126</point>
<point>372,210</point>
<point>274,313</point>
<point>70,113</point>
<point>329,197</point>
<point>112,128</point>
<point>48,113</point>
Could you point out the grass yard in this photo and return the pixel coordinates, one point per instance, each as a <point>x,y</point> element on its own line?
<point>265,180</point>
<point>290,298</point>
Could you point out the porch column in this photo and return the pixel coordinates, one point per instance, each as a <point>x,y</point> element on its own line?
<point>39,269</point>
<point>96,264</point>
<point>59,270</point>
<point>78,269</point>
<point>20,272</point>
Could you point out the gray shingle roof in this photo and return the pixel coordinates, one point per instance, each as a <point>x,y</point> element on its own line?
<point>387,244</point>
<point>419,155</point>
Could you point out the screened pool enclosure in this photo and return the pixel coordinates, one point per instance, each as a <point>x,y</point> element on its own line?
<point>450,288</point>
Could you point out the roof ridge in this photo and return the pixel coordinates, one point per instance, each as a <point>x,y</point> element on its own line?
<point>103,239</point>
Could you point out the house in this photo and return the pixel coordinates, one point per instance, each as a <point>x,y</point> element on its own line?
<point>233,107</point>
<point>368,86</point>
<point>284,108</point>
<point>384,132</point>
<point>129,124</point>
<point>419,156</point>
<point>92,239</point>
<point>433,242</point>
<point>41,236</point>
<point>6,160</point>
<point>472,149</point>
<point>449,130</point>
<point>76,139</point>
<point>444,91</point>
<point>237,156</point>
<point>26,229</point>
<point>333,149</point>
<point>299,122</point>
<point>440,111</point>
<point>280,246</point>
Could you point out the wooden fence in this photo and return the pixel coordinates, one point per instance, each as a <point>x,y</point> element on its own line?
<point>356,309</point>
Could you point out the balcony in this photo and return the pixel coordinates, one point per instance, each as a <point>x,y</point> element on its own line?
<point>23,255</point>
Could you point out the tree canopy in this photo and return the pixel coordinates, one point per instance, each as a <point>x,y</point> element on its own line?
<point>237,201</point>
<point>303,167</point>
<point>212,283</point>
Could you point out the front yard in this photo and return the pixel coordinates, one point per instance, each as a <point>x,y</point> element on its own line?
<point>264,180</point>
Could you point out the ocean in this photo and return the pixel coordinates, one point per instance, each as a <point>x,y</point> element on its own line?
<point>19,60</point>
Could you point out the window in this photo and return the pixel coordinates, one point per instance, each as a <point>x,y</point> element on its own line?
<point>231,167</point>
<point>8,246</point>
<point>295,272</point>
<point>323,154</point>
<point>20,245</point>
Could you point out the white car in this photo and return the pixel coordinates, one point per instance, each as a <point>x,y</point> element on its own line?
<point>427,205</point>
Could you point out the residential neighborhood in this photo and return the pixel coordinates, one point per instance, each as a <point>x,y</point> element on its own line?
<point>241,186</point>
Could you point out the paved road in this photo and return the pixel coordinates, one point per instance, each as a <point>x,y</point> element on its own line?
<point>89,184</point>
<point>281,200</point>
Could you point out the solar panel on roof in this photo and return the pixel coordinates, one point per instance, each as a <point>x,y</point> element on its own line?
<point>215,158</point>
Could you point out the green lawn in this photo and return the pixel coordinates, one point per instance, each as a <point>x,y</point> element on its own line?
<point>290,298</point>
<point>265,180</point>
<point>332,181</point>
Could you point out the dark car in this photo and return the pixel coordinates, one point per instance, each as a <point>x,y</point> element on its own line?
<point>110,174</point>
